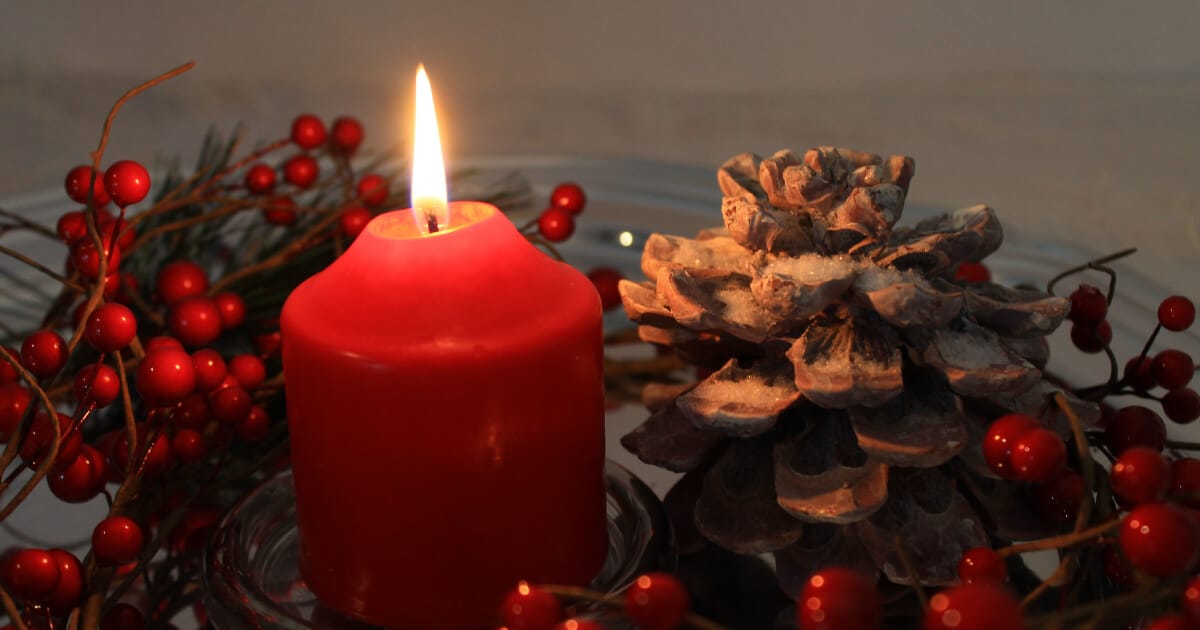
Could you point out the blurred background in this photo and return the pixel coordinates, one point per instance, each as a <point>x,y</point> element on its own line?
<point>1075,120</point>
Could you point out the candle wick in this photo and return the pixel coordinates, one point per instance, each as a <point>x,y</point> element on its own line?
<point>431,221</point>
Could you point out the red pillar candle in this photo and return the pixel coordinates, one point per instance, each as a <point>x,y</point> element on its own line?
<point>445,404</point>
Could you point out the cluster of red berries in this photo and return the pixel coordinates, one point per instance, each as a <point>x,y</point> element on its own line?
<point>655,601</point>
<point>837,598</point>
<point>1170,369</point>
<point>1018,446</point>
<point>557,222</point>
<point>302,170</point>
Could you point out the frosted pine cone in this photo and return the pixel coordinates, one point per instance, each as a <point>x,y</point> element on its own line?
<point>853,378</point>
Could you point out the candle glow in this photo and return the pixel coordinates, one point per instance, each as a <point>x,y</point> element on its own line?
<point>429,199</point>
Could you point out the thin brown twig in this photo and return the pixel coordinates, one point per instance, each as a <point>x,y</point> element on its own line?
<point>40,267</point>
<point>112,114</point>
<point>1058,542</point>
<point>30,225</point>
<point>14,615</point>
<point>1088,265</point>
<point>907,561</point>
<point>615,601</point>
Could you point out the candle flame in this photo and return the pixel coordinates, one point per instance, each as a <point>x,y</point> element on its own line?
<point>428,168</point>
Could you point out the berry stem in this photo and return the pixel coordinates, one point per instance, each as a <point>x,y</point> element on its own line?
<point>1182,445</point>
<point>613,600</point>
<point>1058,542</point>
<point>547,245</point>
<point>1086,463</point>
<point>40,267</point>
<point>112,114</point>
<point>21,221</point>
<point>911,569</point>
<point>1091,264</point>
<point>10,607</point>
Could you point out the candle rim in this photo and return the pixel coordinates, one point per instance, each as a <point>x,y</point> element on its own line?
<point>401,225</point>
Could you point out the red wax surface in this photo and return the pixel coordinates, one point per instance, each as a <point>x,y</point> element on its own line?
<point>445,401</point>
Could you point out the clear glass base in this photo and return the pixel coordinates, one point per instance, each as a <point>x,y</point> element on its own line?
<point>252,572</point>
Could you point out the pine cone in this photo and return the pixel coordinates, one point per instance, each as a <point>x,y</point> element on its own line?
<point>853,376</point>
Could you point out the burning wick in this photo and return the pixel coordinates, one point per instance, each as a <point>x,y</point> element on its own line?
<point>430,220</point>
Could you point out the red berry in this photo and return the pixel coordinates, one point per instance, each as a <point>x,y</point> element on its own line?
<point>188,446</point>
<point>195,321</point>
<point>568,197</point>
<point>556,224</point>
<point>1170,622</point>
<point>110,226</point>
<point>165,376</point>
<point>1185,482</point>
<point>163,342</point>
<point>1176,313</point>
<point>982,564</point>
<point>972,272</point>
<point>578,624</point>
<point>97,384</point>
<point>1038,455</point>
<point>1057,501</point>
<point>1181,405</point>
<point>123,616</point>
<point>31,574</point>
<point>192,413</point>
<point>116,540</point>
<point>979,606</point>
<point>268,344</point>
<point>1138,374</point>
<point>79,179</point>
<point>1001,437</point>
<point>372,190</point>
<point>85,257</point>
<point>1091,339</point>
<point>657,601</point>
<point>210,369</point>
<point>606,279</point>
<point>230,405</point>
<point>71,226</point>
<point>44,353</point>
<point>1140,475</point>
<point>308,132</point>
<point>14,400</point>
<point>153,459</point>
<point>1189,601</point>
<point>528,607</point>
<point>127,182</point>
<point>260,179</point>
<point>836,598</point>
<point>249,370</point>
<point>8,373</point>
<point>69,588</point>
<point>41,436</point>
<point>180,280</point>
<point>1172,369</point>
<point>354,220</point>
<point>231,309</point>
<point>255,427</point>
<point>1159,539</point>
<point>347,134</point>
<point>280,211</point>
<point>83,479</point>
<point>301,170</point>
<point>1135,425</point>
<point>1089,306</point>
<point>110,327</point>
